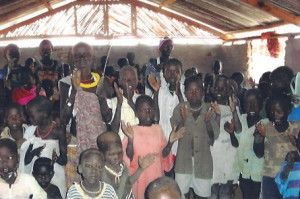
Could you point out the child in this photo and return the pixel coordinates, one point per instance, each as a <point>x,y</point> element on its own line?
<point>116,171</point>
<point>14,119</point>
<point>14,184</point>
<point>248,164</point>
<point>274,140</point>
<point>43,173</point>
<point>163,188</point>
<point>223,150</point>
<point>122,106</point>
<point>44,139</point>
<point>91,168</point>
<point>144,139</point>
<point>194,166</point>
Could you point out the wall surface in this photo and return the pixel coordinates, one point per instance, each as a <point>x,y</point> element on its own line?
<point>292,54</point>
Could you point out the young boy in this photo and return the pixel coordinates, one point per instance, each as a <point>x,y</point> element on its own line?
<point>116,172</point>
<point>43,173</point>
<point>122,106</point>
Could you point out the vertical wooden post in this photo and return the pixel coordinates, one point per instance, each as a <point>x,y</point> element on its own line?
<point>106,20</point>
<point>75,20</point>
<point>133,20</point>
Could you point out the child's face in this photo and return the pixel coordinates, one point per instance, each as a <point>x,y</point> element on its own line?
<point>220,90</point>
<point>92,168</point>
<point>36,117</point>
<point>43,176</point>
<point>128,81</point>
<point>194,93</point>
<point>168,193</point>
<point>114,155</point>
<point>145,113</point>
<point>14,119</point>
<point>8,163</point>
<point>279,112</point>
<point>172,74</point>
<point>251,105</point>
<point>82,57</point>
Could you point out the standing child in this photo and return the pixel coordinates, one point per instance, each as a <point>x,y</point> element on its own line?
<point>14,184</point>
<point>274,140</point>
<point>14,119</point>
<point>144,139</point>
<point>91,168</point>
<point>44,139</point>
<point>116,171</point>
<point>194,165</point>
<point>223,150</point>
<point>43,173</point>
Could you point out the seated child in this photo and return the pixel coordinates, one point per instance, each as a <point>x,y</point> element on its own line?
<point>194,165</point>
<point>163,188</point>
<point>91,168</point>
<point>144,139</point>
<point>43,173</point>
<point>116,172</point>
<point>14,119</point>
<point>274,140</point>
<point>14,184</point>
<point>44,139</point>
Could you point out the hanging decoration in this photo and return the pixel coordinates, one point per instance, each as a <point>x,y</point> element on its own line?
<point>272,43</point>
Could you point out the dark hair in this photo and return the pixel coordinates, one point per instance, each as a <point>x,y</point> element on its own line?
<point>41,103</point>
<point>10,144</point>
<point>90,150</point>
<point>46,162</point>
<point>25,75</point>
<point>220,77</point>
<point>142,99</point>
<point>256,92</point>
<point>109,71</point>
<point>238,77</point>
<point>173,62</point>
<point>16,106</point>
<point>193,79</point>
<point>282,70</point>
<point>106,139</point>
<point>123,62</point>
<point>46,41</point>
<point>14,50</point>
<point>48,86</point>
<point>265,77</point>
<point>162,183</point>
<point>29,61</point>
<point>283,99</point>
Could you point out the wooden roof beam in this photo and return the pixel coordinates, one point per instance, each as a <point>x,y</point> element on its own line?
<point>274,10</point>
<point>47,4</point>
<point>167,3</point>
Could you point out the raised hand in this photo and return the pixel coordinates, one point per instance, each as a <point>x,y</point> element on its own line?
<point>229,127</point>
<point>216,108</point>
<point>251,82</point>
<point>154,82</point>
<point>260,127</point>
<point>232,103</point>
<point>183,111</point>
<point>54,156</point>
<point>146,161</point>
<point>127,129</point>
<point>119,93</point>
<point>37,151</point>
<point>176,135</point>
<point>75,77</point>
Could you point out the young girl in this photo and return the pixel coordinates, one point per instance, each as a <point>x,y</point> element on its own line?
<point>91,168</point>
<point>44,139</point>
<point>14,119</point>
<point>194,166</point>
<point>116,172</point>
<point>274,140</point>
<point>14,184</point>
<point>144,139</point>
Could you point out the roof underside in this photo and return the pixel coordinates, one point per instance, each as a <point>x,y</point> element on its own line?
<point>143,18</point>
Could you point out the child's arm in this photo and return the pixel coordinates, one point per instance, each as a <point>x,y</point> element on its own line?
<point>236,120</point>
<point>230,128</point>
<point>174,136</point>
<point>62,139</point>
<point>115,124</point>
<point>155,84</point>
<point>128,131</point>
<point>31,153</point>
<point>259,140</point>
<point>178,90</point>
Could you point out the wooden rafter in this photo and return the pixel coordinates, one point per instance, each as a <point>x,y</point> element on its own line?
<point>274,10</point>
<point>166,3</point>
<point>47,4</point>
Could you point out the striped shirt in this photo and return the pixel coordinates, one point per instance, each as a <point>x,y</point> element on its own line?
<point>76,192</point>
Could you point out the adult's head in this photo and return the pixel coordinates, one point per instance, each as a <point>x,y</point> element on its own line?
<point>165,47</point>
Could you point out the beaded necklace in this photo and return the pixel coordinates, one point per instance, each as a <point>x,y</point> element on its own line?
<point>91,192</point>
<point>48,132</point>
<point>117,175</point>
<point>96,79</point>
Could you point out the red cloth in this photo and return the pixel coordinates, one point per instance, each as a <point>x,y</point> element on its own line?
<point>22,96</point>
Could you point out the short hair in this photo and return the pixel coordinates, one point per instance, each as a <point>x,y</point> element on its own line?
<point>41,103</point>
<point>123,61</point>
<point>127,68</point>
<point>86,152</point>
<point>283,99</point>
<point>221,77</point>
<point>46,41</point>
<point>25,75</point>
<point>16,106</point>
<point>238,77</point>
<point>256,92</point>
<point>10,144</point>
<point>162,183</point>
<point>172,62</point>
<point>193,79</point>
<point>105,139</point>
<point>143,98</point>
<point>282,70</point>
<point>83,44</point>
<point>11,47</point>
<point>29,61</point>
<point>43,161</point>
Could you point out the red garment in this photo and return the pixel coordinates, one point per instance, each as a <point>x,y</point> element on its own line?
<point>22,96</point>
<point>147,140</point>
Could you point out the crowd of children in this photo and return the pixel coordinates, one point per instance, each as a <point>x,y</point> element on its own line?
<point>156,132</point>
